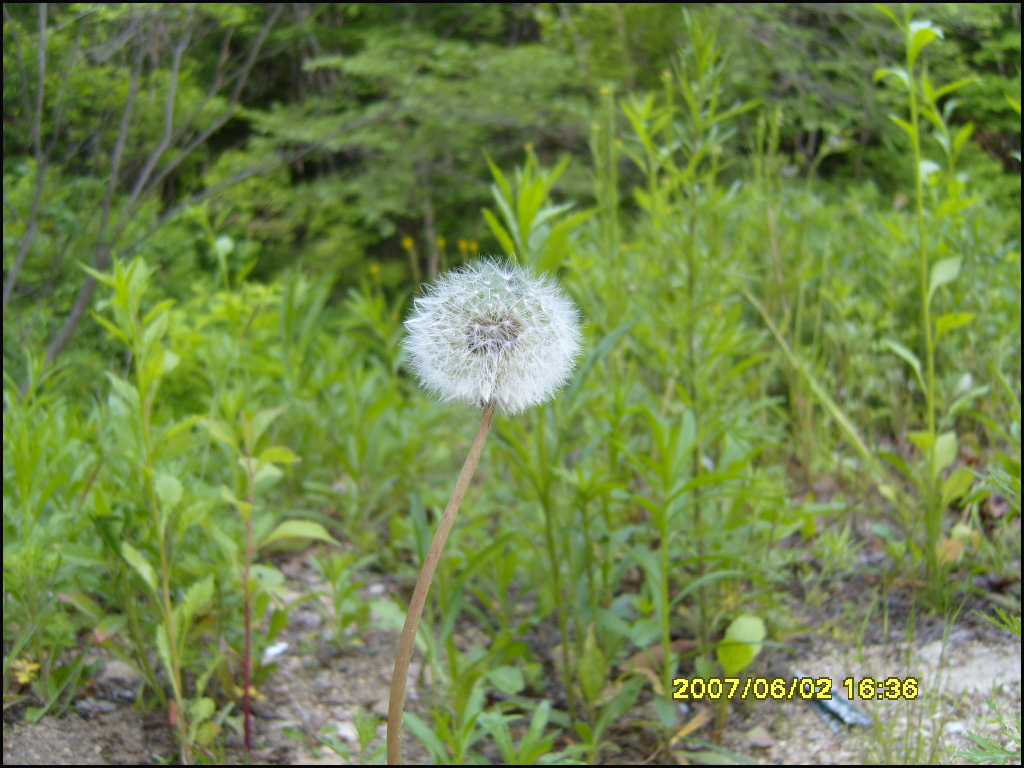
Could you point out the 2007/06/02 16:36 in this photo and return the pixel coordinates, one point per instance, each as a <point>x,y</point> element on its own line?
<point>781,688</point>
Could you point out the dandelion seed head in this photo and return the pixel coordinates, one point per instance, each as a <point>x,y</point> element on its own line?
<point>493,332</point>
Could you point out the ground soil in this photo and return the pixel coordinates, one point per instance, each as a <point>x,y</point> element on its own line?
<point>963,668</point>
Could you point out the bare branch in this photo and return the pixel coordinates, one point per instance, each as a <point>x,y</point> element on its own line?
<point>115,163</point>
<point>241,78</point>
<point>103,248</point>
<point>37,147</point>
<point>165,142</point>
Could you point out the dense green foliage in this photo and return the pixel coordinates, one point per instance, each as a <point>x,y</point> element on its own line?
<point>801,287</point>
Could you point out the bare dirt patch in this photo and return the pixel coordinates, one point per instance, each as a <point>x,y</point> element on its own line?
<point>320,689</point>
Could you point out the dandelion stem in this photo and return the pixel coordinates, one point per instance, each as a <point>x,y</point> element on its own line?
<point>396,707</point>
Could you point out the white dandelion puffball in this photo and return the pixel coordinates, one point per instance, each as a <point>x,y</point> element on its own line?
<point>493,332</point>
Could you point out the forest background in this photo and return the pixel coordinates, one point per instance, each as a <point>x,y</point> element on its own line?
<point>793,231</point>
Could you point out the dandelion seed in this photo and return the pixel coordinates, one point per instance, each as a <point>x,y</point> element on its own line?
<point>493,331</point>
<point>504,343</point>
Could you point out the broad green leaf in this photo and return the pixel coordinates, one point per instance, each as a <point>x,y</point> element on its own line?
<point>137,560</point>
<point>945,451</point>
<point>953,205</point>
<point>265,476</point>
<point>593,668</point>
<point>299,529</point>
<point>943,271</point>
<point>951,320</point>
<point>507,679</point>
<point>168,490</point>
<point>170,361</point>
<point>279,454</point>
<point>259,424</point>
<point>741,643</point>
<point>922,439</point>
<point>919,34</point>
<point>956,485</point>
<point>198,595</point>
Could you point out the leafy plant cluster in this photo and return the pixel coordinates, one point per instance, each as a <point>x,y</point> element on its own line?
<point>748,333</point>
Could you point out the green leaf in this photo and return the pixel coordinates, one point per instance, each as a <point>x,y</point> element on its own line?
<point>897,72</point>
<point>110,626</point>
<point>161,307</point>
<point>956,85</point>
<point>220,430</point>
<point>888,13</point>
<point>619,705</point>
<point>118,334</point>
<point>951,320</point>
<point>922,439</point>
<point>956,485</point>
<point>557,244</point>
<point>502,235</point>
<point>503,187</point>
<point>909,356</point>
<point>943,271</point>
<point>497,725</point>
<point>198,595</point>
<point>593,667</point>
<point>168,490</point>
<point>260,422</point>
<point>136,560</point>
<point>265,475</point>
<point>154,332</point>
<point>298,529</point>
<point>507,679</point>
<point>163,651</point>
<point>425,734</point>
<point>279,454</point>
<point>124,390</point>
<point>907,127</point>
<point>945,452</point>
<point>244,507</point>
<point>741,643</point>
<point>920,34</point>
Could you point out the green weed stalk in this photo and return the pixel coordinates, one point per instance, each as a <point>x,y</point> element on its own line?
<point>939,449</point>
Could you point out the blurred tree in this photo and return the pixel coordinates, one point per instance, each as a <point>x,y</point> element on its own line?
<point>111,115</point>
<point>455,81</point>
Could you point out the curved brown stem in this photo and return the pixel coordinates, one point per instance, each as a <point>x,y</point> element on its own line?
<point>396,707</point>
